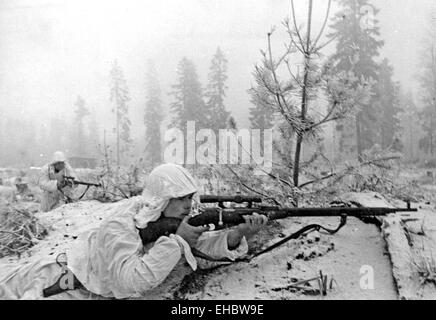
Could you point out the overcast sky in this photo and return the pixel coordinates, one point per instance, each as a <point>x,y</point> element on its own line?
<point>53,50</point>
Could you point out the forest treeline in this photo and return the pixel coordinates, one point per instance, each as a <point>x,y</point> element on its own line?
<point>298,91</point>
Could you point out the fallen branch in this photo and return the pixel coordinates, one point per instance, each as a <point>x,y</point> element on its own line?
<point>304,285</point>
<point>19,231</point>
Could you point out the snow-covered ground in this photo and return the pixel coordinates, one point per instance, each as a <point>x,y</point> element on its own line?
<point>364,261</point>
<point>341,257</point>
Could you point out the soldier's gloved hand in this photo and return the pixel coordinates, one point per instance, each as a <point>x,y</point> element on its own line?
<point>253,223</point>
<point>61,183</point>
<point>69,183</point>
<point>64,183</point>
<point>189,233</point>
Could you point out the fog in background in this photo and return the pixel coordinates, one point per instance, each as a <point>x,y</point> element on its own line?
<point>53,51</point>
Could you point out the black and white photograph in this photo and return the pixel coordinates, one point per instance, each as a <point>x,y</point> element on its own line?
<point>235,152</point>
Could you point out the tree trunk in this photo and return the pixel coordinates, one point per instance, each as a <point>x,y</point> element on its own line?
<point>411,143</point>
<point>431,134</point>
<point>359,138</point>
<point>118,144</point>
<point>106,155</point>
<point>297,159</point>
<point>298,146</point>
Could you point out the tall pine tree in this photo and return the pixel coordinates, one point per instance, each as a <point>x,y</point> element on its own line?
<point>2,136</point>
<point>215,93</point>
<point>120,97</point>
<point>389,100</point>
<point>79,141</point>
<point>260,115</point>
<point>427,118</point>
<point>357,47</point>
<point>410,126</point>
<point>188,102</point>
<point>427,80</point>
<point>152,118</point>
<point>93,135</point>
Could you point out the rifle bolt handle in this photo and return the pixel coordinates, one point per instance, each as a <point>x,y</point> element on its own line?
<point>220,221</point>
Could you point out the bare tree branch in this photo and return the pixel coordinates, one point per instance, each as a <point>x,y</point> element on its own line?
<point>294,19</point>
<point>323,26</point>
<point>350,169</point>
<point>325,44</point>
<point>252,189</point>
<point>278,95</point>
<point>290,33</point>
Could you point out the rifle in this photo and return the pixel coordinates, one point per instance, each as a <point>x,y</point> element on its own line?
<point>72,180</point>
<point>89,184</point>
<point>221,217</point>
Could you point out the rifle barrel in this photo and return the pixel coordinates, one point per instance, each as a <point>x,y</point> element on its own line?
<point>87,184</point>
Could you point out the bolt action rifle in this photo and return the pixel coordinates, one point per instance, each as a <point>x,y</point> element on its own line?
<point>72,181</point>
<point>88,184</point>
<point>222,217</point>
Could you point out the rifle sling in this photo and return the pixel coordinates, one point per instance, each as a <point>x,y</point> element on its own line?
<point>305,230</point>
<point>71,200</point>
<point>83,194</point>
<point>56,287</point>
<point>67,198</point>
<point>302,231</point>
